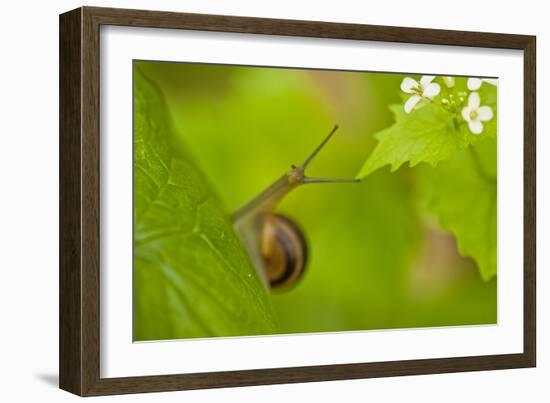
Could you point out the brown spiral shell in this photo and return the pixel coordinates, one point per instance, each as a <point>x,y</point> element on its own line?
<point>284,251</point>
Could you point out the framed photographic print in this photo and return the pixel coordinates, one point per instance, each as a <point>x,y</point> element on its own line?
<point>249,201</point>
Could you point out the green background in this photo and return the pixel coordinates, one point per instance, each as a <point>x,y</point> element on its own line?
<point>377,258</point>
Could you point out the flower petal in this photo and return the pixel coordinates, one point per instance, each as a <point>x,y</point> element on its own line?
<point>431,90</point>
<point>411,103</point>
<point>473,100</point>
<point>474,84</point>
<point>425,80</point>
<point>476,127</point>
<point>408,85</point>
<point>449,81</point>
<point>466,113</point>
<point>485,113</point>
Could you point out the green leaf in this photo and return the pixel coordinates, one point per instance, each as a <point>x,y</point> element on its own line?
<point>192,277</point>
<point>424,135</point>
<point>462,194</point>
<point>430,133</point>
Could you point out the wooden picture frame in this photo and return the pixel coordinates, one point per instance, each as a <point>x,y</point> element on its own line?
<point>80,199</point>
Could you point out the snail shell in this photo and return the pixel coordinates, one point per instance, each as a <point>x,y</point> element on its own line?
<point>284,251</point>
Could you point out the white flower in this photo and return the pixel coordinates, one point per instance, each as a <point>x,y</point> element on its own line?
<point>475,83</point>
<point>475,114</point>
<point>423,89</point>
<point>449,81</point>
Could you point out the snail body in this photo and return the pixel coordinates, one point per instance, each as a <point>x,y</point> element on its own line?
<point>275,243</point>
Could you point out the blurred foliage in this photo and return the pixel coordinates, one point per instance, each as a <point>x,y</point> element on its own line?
<point>462,194</point>
<point>378,257</point>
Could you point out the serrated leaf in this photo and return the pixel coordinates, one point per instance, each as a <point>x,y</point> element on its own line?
<point>428,134</point>
<point>462,194</point>
<point>192,277</point>
<point>425,135</point>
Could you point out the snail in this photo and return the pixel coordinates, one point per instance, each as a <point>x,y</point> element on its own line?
<point>275,244</point>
